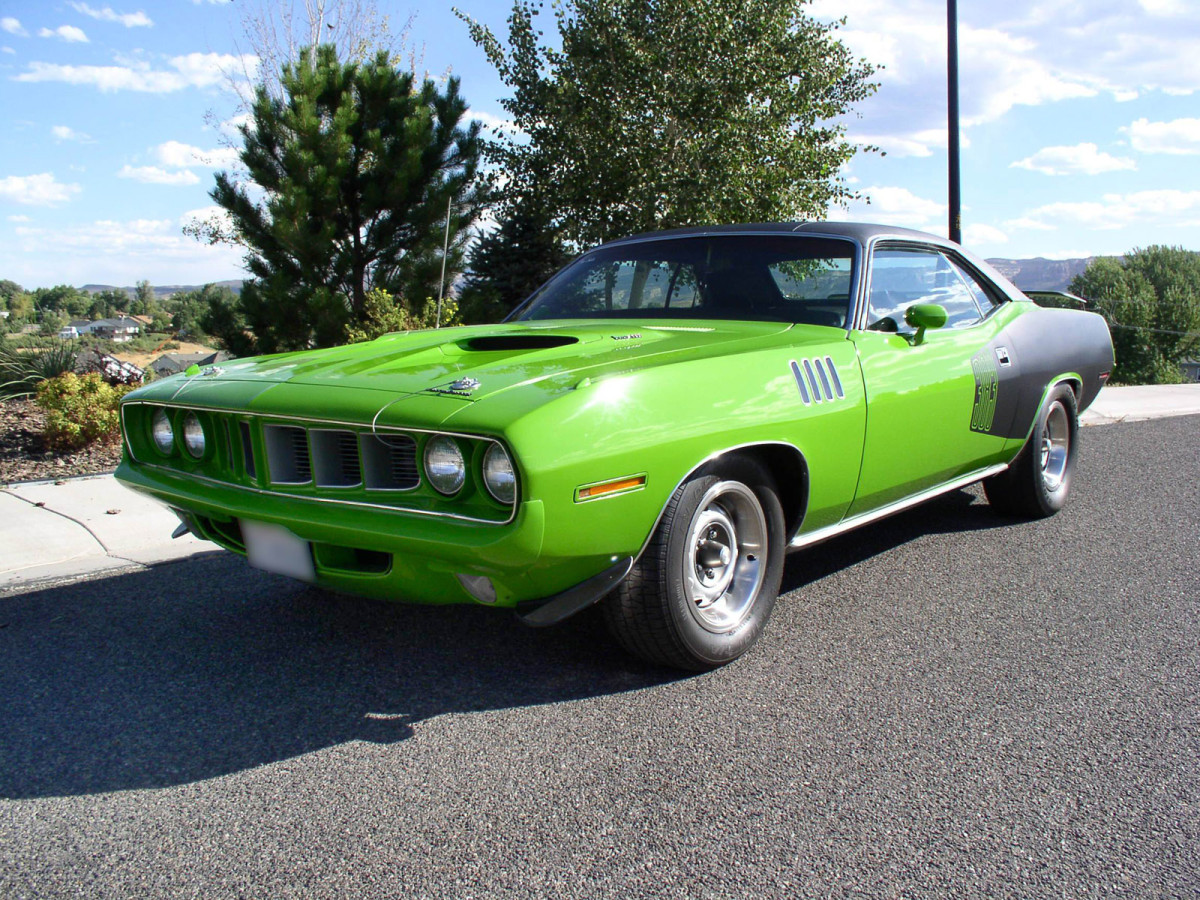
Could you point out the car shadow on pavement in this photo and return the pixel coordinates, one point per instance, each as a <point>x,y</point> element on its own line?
<point>206,667</point>
<point>955,512</point>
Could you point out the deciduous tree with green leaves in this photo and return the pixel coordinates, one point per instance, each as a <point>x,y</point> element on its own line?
<point>350,175</point>
<point>660,113</point>
<point>1151,299</point>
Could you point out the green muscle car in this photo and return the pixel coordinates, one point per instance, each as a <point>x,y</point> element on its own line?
<point>651,430</point>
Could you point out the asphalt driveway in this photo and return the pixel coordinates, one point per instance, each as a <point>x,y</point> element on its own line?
<point>945,704</point>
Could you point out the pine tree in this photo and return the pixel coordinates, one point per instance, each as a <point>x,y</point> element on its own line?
<point>351,173</point>
<point>508,264</point>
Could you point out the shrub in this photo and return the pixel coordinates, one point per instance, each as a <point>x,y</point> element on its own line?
<point>80,409</point>
<point>21,372</point>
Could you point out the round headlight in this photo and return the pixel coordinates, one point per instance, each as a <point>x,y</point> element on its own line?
<point>498,474</point>
<point>162,432</point>
<point>193,435</point>
<point>444,465</point>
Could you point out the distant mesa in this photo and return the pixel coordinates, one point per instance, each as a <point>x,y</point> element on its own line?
<point>1041,274</point>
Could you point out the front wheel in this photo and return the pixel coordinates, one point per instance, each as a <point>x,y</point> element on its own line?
<point>1038,482</point>
<point>705,586</point>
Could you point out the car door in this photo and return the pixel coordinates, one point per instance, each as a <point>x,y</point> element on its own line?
<point>928,397</point>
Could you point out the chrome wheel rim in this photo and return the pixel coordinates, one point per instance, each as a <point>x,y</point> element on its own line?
<point>726,556</point>
<point>1055,447</point>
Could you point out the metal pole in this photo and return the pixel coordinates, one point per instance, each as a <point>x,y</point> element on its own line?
<point>445,250</point>
<point>952,117</point>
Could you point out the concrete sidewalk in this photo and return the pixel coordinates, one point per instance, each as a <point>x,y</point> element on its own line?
<point>85,526</point>
<point>82,526</point>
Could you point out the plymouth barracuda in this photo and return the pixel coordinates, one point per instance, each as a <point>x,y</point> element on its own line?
<point>652,430</point>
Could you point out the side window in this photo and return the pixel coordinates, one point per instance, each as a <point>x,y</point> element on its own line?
<point>903,277</point>
<point>986,299</point>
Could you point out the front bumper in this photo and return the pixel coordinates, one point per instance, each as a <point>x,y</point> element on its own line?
<point>384,553</point>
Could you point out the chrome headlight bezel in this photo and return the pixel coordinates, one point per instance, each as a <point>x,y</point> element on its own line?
<point>500,474</point>
<point>444,464</point>
<point>195,441</point>
<point>162,432</point>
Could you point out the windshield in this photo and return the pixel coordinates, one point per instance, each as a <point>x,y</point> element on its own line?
<point>779,278</point>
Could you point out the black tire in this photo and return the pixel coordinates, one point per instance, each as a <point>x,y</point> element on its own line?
<point>701,593</point>
<point>1038,481</point>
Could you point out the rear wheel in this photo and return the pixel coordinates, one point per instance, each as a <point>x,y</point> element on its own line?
<point>702,591</point>
<point>1038,482</point>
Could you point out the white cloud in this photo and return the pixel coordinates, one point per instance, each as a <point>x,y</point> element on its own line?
<point>66,133</point>
<point>155,175</point>
<point>19,219</point>
<point>1082,159</point>
<point>1024,53</point>
<point>13,26</point>
<point>68,33</point>
<point>7,50</point>
<point>1179,137</point>
<point>200,70</point>
<point>121,252</point>
<point>1163,208</point>
<point>492,122</point>
<point>1163,7</point>
<point>893,206</point>
<point>978,234</point>
<point>36,190</point>
<point>230,127</point>
<point>130,20</point>
<point>181,156</point>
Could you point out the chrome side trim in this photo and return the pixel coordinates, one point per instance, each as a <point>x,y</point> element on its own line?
<point>830,531</point>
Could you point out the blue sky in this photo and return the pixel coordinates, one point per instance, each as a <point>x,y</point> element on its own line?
<point>1081,125</point>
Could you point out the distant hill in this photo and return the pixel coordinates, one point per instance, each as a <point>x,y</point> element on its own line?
<point>164,290</point>
<point>1041,274</point>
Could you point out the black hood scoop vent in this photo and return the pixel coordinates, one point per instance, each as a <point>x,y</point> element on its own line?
<point>518,342</point>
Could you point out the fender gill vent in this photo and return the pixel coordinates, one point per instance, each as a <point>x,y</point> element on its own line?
<point>817,380</point>
<point>518,342</point>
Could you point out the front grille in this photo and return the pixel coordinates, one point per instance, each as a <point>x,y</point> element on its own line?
<point>288,461</point>
<point>335,458</point>
<point>389,462</point>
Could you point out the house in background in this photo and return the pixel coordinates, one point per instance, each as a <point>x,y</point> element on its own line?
<point>174,363</point>
<point>68,333</point>
<point>119,330</point>
<point>1191,369</point>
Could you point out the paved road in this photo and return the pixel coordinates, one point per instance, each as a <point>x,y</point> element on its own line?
<point>944,705</point>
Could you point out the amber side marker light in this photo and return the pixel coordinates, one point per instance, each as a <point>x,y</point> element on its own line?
<point>605,488</point>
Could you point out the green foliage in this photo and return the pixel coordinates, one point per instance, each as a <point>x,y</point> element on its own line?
<point>662,113</point>
<point>61,300</point>
<point>80,409</point>
<point>21,371</point>
<point>225,322</point>
<point>1151,300</point>
<point>510,263</point>
<point>190,307</point>
<point>384,314</point>
<point>145,301</point>
<point>353,169</point>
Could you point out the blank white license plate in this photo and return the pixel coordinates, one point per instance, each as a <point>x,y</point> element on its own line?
<point>275,549</point>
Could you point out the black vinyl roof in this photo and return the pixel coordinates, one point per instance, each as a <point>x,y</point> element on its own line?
<point>858,231</point>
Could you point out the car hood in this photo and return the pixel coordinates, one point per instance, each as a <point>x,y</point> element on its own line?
<point>471,363</point>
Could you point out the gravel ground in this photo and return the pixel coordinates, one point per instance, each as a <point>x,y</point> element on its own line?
<point>24,457</point>
<point>946,704</point>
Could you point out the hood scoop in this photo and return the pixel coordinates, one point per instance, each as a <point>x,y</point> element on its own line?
<point>493,342</point>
